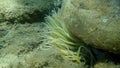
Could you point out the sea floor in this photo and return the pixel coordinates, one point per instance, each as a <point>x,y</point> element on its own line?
<point>25,46</point>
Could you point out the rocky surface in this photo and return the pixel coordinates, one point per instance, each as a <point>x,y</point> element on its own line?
<point>25,10</point>
<point>95,22</point>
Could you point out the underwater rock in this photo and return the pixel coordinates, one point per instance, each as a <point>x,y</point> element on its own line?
<point>25,10</point>
<point>95,22</point>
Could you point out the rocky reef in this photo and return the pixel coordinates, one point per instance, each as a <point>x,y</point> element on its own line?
<point>59,33</point>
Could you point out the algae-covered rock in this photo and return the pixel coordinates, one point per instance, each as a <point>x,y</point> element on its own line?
<point>96,22</point>
<point>25,10</point>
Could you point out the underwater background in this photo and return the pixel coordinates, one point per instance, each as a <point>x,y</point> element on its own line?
<point>59,33</point>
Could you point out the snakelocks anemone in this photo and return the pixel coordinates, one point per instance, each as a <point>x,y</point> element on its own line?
<point>71,47</point>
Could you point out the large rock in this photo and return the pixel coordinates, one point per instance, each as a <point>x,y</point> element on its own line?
<point>25,10</point>
<point>96,22</point>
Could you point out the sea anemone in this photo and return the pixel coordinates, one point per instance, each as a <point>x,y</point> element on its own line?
<point>71,47</point>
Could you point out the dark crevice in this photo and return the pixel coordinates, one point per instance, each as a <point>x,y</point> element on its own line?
<point>105,56</point>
